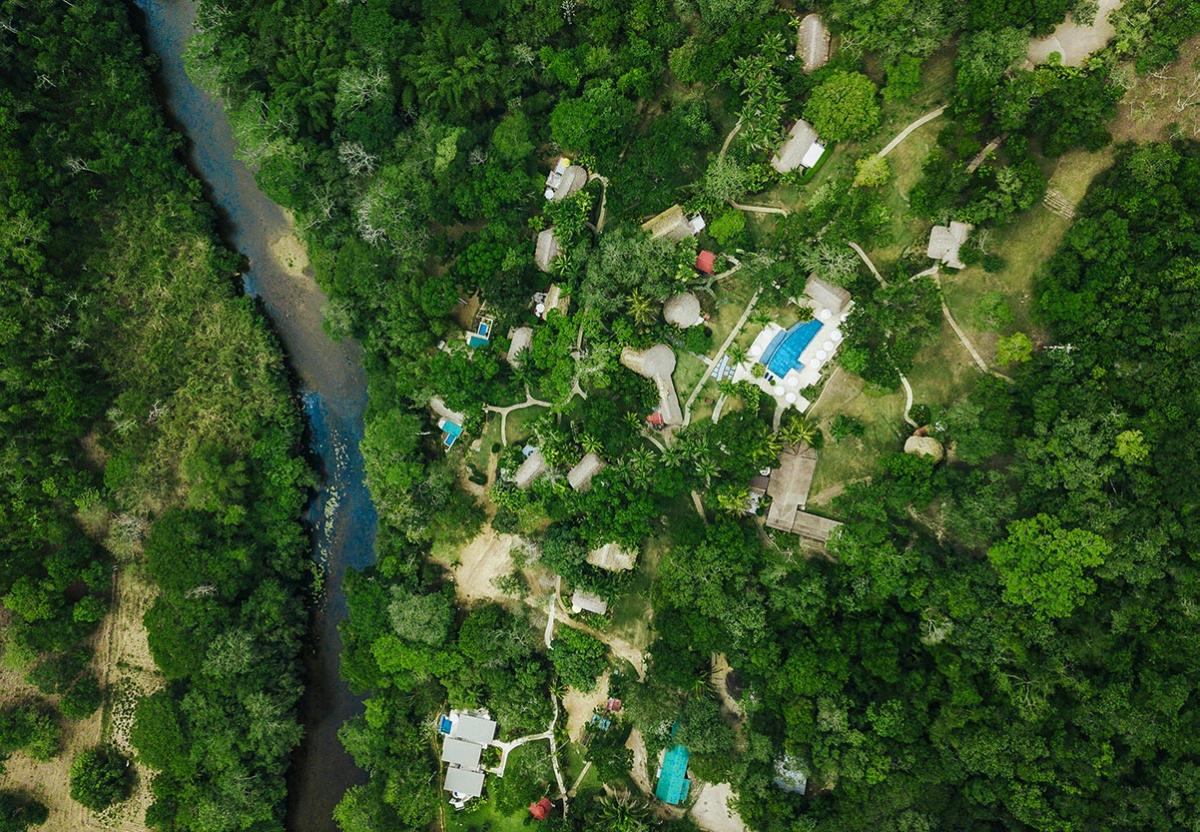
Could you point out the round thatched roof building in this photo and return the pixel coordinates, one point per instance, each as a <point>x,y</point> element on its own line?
<point>682,310</point>
<point>924,446</point>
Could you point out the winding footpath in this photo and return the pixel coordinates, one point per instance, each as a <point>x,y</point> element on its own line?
<point>530,401</point>
<point>904,134</point>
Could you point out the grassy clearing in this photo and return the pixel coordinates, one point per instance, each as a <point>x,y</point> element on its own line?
<point>843,462</point>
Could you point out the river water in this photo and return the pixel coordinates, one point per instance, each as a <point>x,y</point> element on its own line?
<point>333,388</point>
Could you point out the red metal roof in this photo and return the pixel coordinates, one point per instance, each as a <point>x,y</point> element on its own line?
<point>655,418</point>
<point>541,809</point>
<point>705,261</point>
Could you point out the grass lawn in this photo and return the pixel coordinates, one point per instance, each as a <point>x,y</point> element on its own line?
<point>520,424</point>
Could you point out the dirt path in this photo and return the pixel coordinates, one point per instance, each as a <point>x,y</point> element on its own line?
<point>617,645</point>
<point>530,401</point>
<point>862,255</point>
<point>719,678</point>
<point>603,180</point>
<point>966,342</point>
<point>908,399</point>
<point>637,745</point>
<point>712,811</point>
<point>580,706</point>
<point>903,134</point>
<point>760,209</point>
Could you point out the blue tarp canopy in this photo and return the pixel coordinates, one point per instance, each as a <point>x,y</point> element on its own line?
<point>783,353</point>
<point>673,783</point>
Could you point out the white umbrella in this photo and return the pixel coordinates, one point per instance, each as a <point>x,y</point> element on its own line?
<point>791,398</point>
<point>822,355</point>
<point>824,314</point>
<point>836,335</point>
<point>828,345</point>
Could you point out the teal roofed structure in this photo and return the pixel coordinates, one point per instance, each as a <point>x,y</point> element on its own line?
<point>783,353</point>
<point>673,783</point>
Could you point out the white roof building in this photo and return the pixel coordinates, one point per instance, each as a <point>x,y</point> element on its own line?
<point>580,477</point>
<point>460,752</point>
<point>945,242</point>
<point>612,557</point>
<point>463,782</point>
<point>532,468</point>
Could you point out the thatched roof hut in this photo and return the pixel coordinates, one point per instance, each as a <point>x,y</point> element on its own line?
<point>519,341</point>
<point>945,242</point>
<point>672,224</point>
<point>800,150</point>
<point>657,364</point>
<point>924,446</point>
<point>580,477</point>
<point>812,42</point>
<point>682,310</point>
<point>612,557</point>
<point>582,601</point>
<point>532,468</point>
<point>826,295</point>
<point>546,250</point>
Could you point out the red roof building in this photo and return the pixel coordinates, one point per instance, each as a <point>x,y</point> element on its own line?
<point>706,261</point>
<point>541,809</point>
<point>655,420</point>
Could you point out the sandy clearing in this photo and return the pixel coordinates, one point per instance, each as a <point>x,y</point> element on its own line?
<point>290,252</point>
<point>580,706</point>
<point>712,812</point>
<point>719,677</point>
<point>637,745</point>
<point>1073,41</point>
<point>127,672</point>
<point>485,558</point>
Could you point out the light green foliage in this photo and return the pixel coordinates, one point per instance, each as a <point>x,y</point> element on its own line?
<point>872,171</point>
<point>511,140</point>
<point>421,618</point>
<point>1046,567</point>
<point>983,58</point>
<point>1131,447</point>
<point>728,228</point>
<point>843,107</point>
<point>763,98</point>
<point>1014,349</point>
<point>992,311</point>
<point>726,180</point>
<point>592,123</point>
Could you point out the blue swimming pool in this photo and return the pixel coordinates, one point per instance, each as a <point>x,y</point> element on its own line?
<point>783,353</point>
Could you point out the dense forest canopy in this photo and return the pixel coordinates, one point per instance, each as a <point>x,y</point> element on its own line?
<point>148,427</point>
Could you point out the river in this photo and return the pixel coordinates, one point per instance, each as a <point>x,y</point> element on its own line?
<point>333,389</point>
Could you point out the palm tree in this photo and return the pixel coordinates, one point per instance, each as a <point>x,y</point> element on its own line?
<point>706,467</point>
<point>732,499</point>
<point>623,812</point>
<point>736,353</point>
<point>589,443</point>
<point>641,309</point>
<point>798,430</point>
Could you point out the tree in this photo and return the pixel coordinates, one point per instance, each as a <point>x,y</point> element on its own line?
<point>1014,349</point>
<point>18,812</point>
<point>594,122</point>
<point>1045,567</point>
<point>843,107</point>
<point>1131,447</point>
<point>578,658</point>
<point>798,430</point>
<point>872,171</point>
<point>100,777</point>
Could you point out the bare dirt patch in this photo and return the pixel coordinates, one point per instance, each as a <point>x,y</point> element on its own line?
<point>289,251</point>
<point>580,706</point>
<point>484,559</point>
<point>127,672</point>
<point>712,812</point>
<point>1163,104</point>
<point>1075,41</point>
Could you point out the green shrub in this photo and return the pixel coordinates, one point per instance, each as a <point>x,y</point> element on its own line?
<point>100,777</point>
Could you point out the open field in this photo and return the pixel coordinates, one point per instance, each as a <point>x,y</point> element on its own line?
<point>126,672</point>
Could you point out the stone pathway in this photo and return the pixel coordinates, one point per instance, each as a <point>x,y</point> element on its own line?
<point>733,334</point>
<point>903,134</point>
<point>1058,204</point>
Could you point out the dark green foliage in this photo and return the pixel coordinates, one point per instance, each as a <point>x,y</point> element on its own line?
<point>19,812</point>
<point>100,777</point>
<point>578,658</point>
<point>29,728</point>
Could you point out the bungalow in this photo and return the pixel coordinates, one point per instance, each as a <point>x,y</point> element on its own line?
<point>657,364</point>
<point>945,242</point>
<point>532,468</point>
<point>683,310</point>
<point>612,557</point>
<point>564,180</point>
<point>674,224</point>
<point>465,735</point>
<point>582,601</point>
<point>546,249</point>
<point>580,477</point>
<point>673,783</point>
<point>553,298</point>
<point>788,486</point>
<point>801,150</point>
<point>706,261</point>
<point>519,340</point>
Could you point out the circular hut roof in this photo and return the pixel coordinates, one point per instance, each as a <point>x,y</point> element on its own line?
<point>924,446</point>
<point>682,310</point>
<point>659,360</point>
